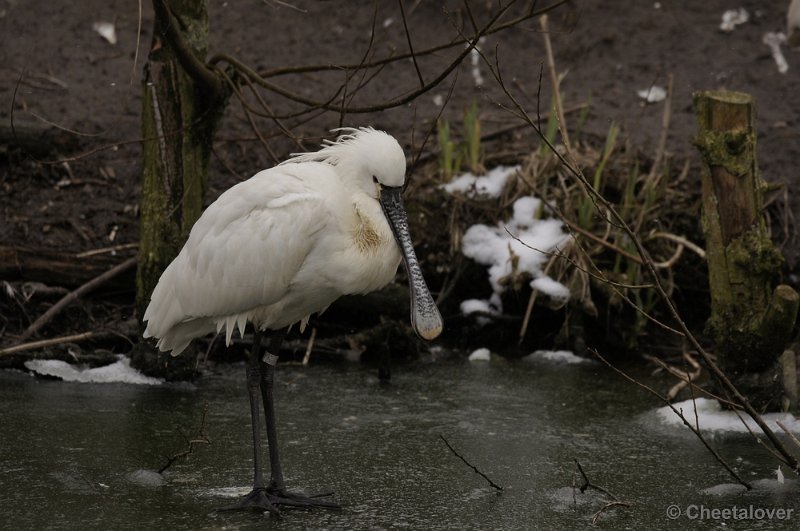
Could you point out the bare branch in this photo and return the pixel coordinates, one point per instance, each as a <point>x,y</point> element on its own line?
<point>199,72</point>
<point>473,467</point>
<point>73,296</point>
<point>395,102</point>
<point>410,46</point>
<point>72,338</point>
<point>694,429</point>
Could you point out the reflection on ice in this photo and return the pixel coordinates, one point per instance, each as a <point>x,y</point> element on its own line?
<point>146,478</point>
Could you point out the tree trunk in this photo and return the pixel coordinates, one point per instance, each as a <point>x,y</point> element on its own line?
<point>181,107</point>
<point>177,124</point>
<point>750,322</point>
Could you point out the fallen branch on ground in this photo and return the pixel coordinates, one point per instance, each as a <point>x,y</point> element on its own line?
<point>200,438</point>
<point>74,338</point>
<point>587,484</point>
<point>473,467</point>
<point>74,295</point>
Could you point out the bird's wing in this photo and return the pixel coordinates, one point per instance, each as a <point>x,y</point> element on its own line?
<point>243,252</point>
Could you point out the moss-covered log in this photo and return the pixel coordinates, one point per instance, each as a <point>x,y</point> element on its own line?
<point>750,321</point>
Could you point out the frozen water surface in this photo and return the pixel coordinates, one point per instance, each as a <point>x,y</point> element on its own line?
<point>85,456</point>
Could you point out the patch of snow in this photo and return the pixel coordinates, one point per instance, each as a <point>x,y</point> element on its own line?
<point>553,289</point>
<point>481,354</point>
<point>489,185</point>
<point>478,305</point>
<point>556,356</point>
<point>652,94</point>
<point>774,41</point>
<point>712,418</point>
<point>732,18</point>
<point>516,246</point>
<point>118,372</point>
<point>493,306</point>
<point>107,30</point>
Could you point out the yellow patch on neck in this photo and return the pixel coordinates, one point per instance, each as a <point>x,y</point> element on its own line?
<point>365,236</point>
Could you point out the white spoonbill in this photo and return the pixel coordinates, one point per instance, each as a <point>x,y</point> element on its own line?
<point>280,246</point>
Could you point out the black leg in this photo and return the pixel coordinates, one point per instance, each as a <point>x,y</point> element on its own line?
<point>267,383</point>
<point>277,487</point>
<point>260,380</point>
<point>258,499</point>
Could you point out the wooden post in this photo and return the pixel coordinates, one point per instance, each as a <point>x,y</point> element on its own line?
<point>750,321</point>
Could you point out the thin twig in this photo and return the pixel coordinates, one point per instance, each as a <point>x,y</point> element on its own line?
<point>74,338</point>
<point>694,429</point>
<point>410,46</point>
<point>395,102</point>
<point>105,250</point>
<point>788,432</point>
<point>280,71</point>
<point>473,467</point>
<point>200,438</point>
<point>204,76</point>
<point>138,43</point>
<point>588,484</point>
<point>680,240</point>
<point>310,346</point>
<point>610,505</point>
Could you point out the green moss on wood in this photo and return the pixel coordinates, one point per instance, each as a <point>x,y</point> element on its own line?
<point>749,323</point>
<point>178,123</point>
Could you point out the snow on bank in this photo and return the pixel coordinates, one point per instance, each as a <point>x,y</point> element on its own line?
<point>556,356</point>
<point>481,354</point>
<point>489,185</point>
<point>732,18</point>
<point>118,372</point>
<point>518,245</point>
<point>713,418</point>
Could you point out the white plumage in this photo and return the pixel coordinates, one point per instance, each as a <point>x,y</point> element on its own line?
<point>280,246</point>
<point>286,243</point>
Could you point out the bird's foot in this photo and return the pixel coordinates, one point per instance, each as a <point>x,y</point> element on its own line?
<point>268,499</point>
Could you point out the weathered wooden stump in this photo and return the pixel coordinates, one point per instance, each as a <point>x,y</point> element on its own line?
<point>750,320</point>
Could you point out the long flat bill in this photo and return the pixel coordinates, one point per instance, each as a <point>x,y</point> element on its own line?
<point>425,316</point>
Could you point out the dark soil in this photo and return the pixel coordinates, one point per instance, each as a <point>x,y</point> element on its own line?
<point>80,192</point>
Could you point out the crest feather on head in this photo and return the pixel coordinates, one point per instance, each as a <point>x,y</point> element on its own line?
<point>332,150</point>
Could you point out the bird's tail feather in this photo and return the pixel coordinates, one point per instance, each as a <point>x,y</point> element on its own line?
<point>177,338</point>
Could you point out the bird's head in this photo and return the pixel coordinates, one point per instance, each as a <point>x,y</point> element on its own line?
<point>363,157</point>
<point>369,159</point>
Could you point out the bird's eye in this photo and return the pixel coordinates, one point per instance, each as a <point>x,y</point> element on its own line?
<point>374,179</point>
